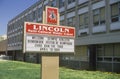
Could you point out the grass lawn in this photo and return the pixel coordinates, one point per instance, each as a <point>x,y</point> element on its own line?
<point>21,70</point>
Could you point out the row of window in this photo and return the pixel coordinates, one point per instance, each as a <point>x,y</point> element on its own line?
<point>15,44</point>
<point>98,17</point>
<point>70,1</point>
<point>108,52</point>
<point>14,29</point>
<point>108,59</point>
<point>98,14</point>
<point>32,15</point>
<point>62,2</point>
<point>15,39</point>
<point>35,15</point>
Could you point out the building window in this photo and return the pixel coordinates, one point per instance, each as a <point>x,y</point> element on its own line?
<point>83,20</point>
<point>62,22</point>
<point>94,1</point>
<point>8,28</point>
<point>70,1</point>
<point>31,17</point>
<point>100,50</point>
<point>25,18</point>
<point>71,21</point>
<point>28,17</point>
<point>115,12</point>
<point>39,12</point>
<point>117,50</point>
<point>53,4</point>
<point>61,3</point>
<point>99,16</point>
<point>34,15</point>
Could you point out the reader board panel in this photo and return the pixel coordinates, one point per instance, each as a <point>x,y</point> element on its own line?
<point>49,44</point>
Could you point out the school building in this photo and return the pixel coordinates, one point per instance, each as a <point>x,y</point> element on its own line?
<point>97,42</point>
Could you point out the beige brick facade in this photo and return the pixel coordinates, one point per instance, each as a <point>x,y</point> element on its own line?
<point>3,46</point>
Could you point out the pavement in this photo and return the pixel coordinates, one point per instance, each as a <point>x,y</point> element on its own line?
<point>2,60</point>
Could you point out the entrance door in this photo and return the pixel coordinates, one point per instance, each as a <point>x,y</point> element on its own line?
<point>92,57</point>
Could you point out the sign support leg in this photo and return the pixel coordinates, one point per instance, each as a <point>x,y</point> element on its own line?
<point>50,66</point>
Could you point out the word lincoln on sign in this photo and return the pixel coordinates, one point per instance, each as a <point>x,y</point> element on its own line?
<point>37,28</point>
<point>46,38</point>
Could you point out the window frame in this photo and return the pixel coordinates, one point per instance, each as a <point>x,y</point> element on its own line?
<point>72,22</point>
<point>71,1</point>
<point>85,18</point>
<point>39,12</point>
<point>53,3</point>
<point>62,22</point>
<point>97,14</point>
<point>61,3</point>
<point>115,18</point>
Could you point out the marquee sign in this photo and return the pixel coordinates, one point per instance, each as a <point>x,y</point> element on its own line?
<point>53,30</point>
<point>48,38</point>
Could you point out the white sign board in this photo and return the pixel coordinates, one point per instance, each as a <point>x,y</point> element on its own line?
<point>49,44</point>
<point>45,38</point>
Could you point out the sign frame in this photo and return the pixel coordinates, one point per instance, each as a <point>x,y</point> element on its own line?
<point>46,35</point>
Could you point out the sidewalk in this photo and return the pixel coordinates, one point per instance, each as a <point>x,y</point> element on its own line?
<point>3,60</point>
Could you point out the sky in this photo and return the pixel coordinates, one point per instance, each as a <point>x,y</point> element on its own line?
<point>11,8</point>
